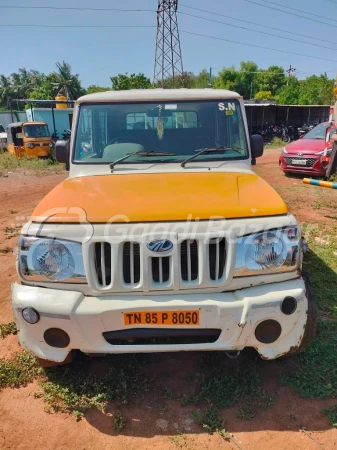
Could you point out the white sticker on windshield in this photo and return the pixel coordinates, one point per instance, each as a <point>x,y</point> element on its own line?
<point>171,107</point>
<point>226,106</point>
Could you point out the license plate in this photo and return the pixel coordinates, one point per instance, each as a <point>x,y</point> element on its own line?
<point>162,318</point>
<point>299,162</point>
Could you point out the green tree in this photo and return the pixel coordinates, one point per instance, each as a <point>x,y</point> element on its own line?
<point>6,91</point>
<point>202,79</point>
<point>241,81</point>
<point>289,94</point>
<point>46,89</point>
<point>227,79</point>
<point>93,88</point>
<point>271,79</point>
<point>186,80</point>
<point>67,83</point>
<point>316,90</point>
<point>122,82</point>
<point>264,95</point>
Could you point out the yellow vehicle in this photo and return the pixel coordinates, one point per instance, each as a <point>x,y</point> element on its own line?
<point>30,139</point>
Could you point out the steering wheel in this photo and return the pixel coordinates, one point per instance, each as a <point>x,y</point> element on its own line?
<point>122,139</point>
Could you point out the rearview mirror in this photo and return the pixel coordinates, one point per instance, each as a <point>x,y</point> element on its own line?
<point>62,152</point>
<point>256,146</point>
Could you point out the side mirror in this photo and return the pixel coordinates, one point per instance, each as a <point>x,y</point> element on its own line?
<point>62,152</point>
<point>301,136</point>
<point>256,146</point>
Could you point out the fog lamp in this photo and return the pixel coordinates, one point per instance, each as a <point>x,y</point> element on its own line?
<point>289,305</point>
<point>30,315</point>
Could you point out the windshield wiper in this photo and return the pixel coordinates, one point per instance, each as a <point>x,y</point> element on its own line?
<point>139,153</point>
<point>210,150</point>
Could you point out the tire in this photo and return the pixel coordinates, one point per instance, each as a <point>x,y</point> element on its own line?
<point>286,138</point>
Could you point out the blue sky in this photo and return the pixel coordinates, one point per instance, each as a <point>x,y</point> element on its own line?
<point>98,53</point>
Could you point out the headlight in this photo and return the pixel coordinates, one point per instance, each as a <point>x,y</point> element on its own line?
<point>30,145</point>
<point>328,153</point>
<point>268,252</point>
<point>50,260</point>
<point>284,151</point>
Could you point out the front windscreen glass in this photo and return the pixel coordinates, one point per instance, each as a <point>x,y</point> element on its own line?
<point>35,131</point>
<point>2,130</point>
<point>319,132</point>
<point>161,132</point>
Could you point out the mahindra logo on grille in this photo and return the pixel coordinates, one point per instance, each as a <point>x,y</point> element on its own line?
<point>160,245</point>
<point>299,154</point>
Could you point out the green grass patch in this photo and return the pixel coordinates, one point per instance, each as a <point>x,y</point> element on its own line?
<point>275,143</point>
<point>7,329</point>
<point>119,422</point>
<point>321,264</point>
<point>221,385</point>
<point>9,162</point>
<point>315,372</point>
<point>210,419</point>
<point>19,371</point>
<point>331,414</point>
<point>75,388</point>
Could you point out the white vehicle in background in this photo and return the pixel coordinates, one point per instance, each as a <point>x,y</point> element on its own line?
<point>162,238</point>
<point>3,138</point>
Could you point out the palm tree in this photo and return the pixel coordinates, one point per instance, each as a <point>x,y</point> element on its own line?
<point>67,84</point>
<point>6,90</point>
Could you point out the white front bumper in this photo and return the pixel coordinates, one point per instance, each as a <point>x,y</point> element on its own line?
<point>85,319</point>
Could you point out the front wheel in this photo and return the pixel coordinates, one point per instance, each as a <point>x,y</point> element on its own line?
<point>286,138</point>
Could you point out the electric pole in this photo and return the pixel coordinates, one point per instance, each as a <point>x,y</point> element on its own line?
<point>291,69</point>
<point>168,61</point>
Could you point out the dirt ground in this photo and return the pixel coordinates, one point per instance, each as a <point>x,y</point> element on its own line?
<point>293,423</point>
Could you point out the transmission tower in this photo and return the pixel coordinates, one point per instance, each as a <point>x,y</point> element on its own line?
<point>168,62</point>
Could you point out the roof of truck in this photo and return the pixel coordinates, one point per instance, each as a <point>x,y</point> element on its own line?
<point>135,95</point>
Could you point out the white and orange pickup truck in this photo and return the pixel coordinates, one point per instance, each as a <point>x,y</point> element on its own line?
<point>162,238</point>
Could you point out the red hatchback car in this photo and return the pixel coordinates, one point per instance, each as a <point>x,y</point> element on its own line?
<point>305,156</point>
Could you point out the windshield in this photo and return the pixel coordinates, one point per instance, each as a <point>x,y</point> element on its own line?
<point>2,130</point>
<point>32,131</point>
<point>107,132</point>
<point>318,132</point>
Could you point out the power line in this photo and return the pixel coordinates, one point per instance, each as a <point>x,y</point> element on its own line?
<point>257,46</point>
<point>68,8</point>
<point>298,10</point>
<point>257,31</point>
<point>258,24</point>
<point>181,31</point>
<point>74,8</point>
<point>292,14</point>
<point>78,26</point>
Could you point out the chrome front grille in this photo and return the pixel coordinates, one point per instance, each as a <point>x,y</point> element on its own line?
<point>160,268</point>
<point>217,258</point>
<point>102,256</point>
<point>131,263</point>
<point>309,161</point>
<point>131,266</point>
<point>189,264</point>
